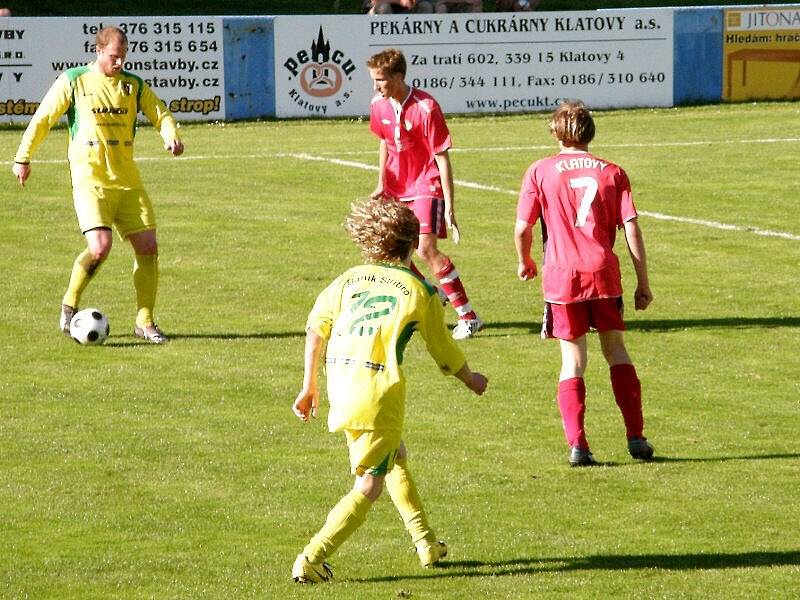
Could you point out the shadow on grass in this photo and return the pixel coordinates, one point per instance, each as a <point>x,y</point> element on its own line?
<point>129,340</point>
<point>675,562</point>
<point>238,336</point>
<point>530,327</point>
<point>669,459</point>
<point>672,324</point>
<point>678,459</point>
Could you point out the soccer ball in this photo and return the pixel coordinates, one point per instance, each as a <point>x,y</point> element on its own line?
<point>89,326</point>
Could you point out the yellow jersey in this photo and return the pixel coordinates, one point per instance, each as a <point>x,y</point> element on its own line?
<point>368,315</point>
<point>101,114</point>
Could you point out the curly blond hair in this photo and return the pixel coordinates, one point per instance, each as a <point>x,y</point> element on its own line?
<point>572,123</point>
<point>384,230</point>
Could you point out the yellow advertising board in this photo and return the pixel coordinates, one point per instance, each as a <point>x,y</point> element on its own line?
<point>761,54</point>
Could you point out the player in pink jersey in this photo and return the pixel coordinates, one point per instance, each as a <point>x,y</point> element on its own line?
<point>582,200</point>
<point>414,167</point>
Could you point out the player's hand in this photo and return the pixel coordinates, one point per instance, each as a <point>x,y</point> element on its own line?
<point>21,172</point>
<point>478,383</point>
<point>450,219</point>
<point>175,147</point>
<point>527,269</point>
<point>642,297</point>
<point>306,404</point>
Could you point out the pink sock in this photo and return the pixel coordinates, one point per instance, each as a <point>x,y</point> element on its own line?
<point>628,394</point>
<point>572,405</point>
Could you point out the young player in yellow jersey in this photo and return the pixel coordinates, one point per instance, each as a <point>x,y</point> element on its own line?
<point>367,315</point>
<point>101,102</point>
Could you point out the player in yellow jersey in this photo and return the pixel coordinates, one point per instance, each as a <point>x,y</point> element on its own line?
<point>367,315</point>
<point>101,102</point>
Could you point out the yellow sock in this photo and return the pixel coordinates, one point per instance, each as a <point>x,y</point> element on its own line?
<point>145,280</point>
<point>403,491</point>
<point>83,269</point>
<point>343,520</point>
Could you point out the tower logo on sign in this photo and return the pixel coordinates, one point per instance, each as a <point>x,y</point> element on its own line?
<point>320,76</point>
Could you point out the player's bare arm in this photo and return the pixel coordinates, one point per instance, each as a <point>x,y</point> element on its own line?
<point>448,191</point>
<point>383,155</point>
<point>523,239</point>
<point>307,402</point>
<point>476,382</point>
<point>21,171</point>
<point>643,296</point>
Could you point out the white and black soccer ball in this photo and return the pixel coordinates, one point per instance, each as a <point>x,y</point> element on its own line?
<point>89,326</point>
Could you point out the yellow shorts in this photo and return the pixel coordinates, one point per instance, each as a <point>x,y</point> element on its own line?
<point>372,452</point>
<point>128,211</point>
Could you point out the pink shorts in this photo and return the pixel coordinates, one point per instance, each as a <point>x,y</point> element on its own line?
<point>430,212</point>
<point>571,321</point>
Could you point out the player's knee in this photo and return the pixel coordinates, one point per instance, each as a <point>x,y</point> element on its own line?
<point>430,254</point>
<point>148,249</point>
<point>145,243</point>
<point>370,486</point>
<point>571,371</point>
<point>614,350</point>
<point>99,252</point>
<point>618,356</point>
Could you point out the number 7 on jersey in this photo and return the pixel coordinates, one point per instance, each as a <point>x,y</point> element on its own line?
<point>589,187</point>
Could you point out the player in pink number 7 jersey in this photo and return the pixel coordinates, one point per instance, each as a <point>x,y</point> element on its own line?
<point>581,201</point>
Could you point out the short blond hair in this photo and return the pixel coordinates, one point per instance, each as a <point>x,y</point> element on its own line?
<point>110,34</point>
<point>388,62</point>
<point>572,123</point>
<point>384,230</point>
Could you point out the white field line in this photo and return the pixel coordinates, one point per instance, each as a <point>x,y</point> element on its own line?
<point>491,188</point>
<point>323,157</point>
<point>548,147</point>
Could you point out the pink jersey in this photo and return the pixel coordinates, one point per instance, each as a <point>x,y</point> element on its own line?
<point>414,132</point>
<point>582,201</point>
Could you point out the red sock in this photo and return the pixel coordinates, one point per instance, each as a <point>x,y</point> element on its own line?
<point>452,286</point>
<point>572,406</point>
<point>628,394</point>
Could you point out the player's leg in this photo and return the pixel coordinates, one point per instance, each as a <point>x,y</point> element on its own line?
<point>443,269</point>
<point>347,516</point>
<point>570,323</point>
<point>572,399</point>
<point>98,245</point>
<point>95,208</point>
<point>450,282</point>
<point>442,295</point>
<point>136,223</point>
<point>406,498</point>
<point>145,282</point>
<point>627,392</point>
<point>372,455</point>
<point>432,227</point>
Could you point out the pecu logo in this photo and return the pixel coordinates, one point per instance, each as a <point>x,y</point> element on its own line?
<point>321,75</point>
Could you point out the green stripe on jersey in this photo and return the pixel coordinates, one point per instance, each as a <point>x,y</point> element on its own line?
<point>72,114</point>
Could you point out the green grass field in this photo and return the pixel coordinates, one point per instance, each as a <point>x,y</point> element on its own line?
<point>178,472</point>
